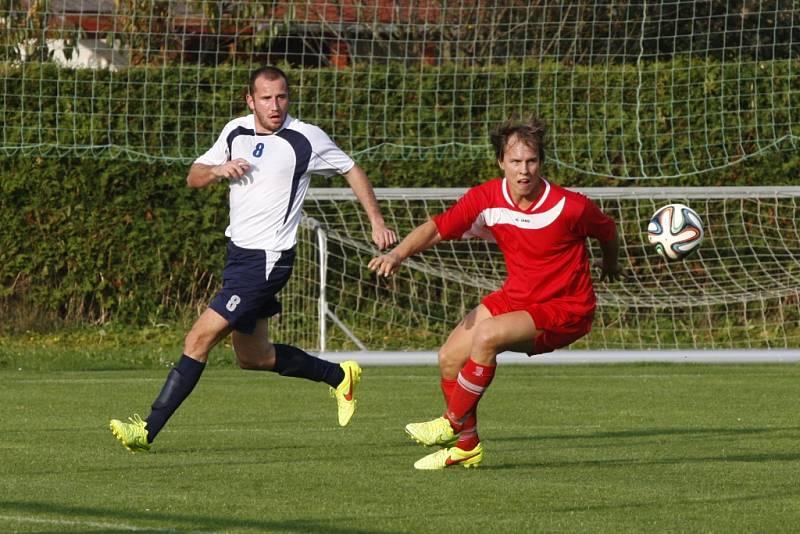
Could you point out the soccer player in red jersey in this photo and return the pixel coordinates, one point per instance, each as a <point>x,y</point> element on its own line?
<point>547,300</point>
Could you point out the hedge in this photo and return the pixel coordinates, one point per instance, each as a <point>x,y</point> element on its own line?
<point>662,119</point>
<point>103,231</point>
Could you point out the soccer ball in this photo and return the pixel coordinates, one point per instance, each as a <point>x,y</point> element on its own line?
<point>676,231</point>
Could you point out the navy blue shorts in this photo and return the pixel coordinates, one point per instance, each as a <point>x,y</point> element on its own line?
<point>250,281</point>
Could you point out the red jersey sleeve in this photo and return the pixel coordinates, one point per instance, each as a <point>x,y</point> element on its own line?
<point>595,223</point>
<point>457,221</point>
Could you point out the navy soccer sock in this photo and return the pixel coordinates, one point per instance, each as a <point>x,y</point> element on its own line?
<point>180,382</point>
<point>291,361</point>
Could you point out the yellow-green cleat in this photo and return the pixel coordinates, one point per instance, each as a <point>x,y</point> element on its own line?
<point>132,435</point>
<point>436,432</point>
<point>452,456</point>
<point>345,392</point>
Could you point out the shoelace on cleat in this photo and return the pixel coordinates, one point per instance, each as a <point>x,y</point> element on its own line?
<point>136,420</point>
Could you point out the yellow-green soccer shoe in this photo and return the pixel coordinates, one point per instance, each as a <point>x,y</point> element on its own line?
<point>435,432</point>
<point>345,392</point>
<point>132,435</point>
<point>452,456</point>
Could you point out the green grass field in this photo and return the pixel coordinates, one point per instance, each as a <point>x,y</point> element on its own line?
<point>616,448</point>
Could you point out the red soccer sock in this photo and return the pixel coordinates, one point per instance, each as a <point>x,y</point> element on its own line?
<point>447,385</point>
<point>472,382</point>
<point>468,439</point>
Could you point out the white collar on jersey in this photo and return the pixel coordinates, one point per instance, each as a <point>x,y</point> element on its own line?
<point>541,199</point>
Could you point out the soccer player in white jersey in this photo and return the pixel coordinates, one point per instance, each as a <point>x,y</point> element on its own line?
<point>266,160</point>
<point>547,300</point>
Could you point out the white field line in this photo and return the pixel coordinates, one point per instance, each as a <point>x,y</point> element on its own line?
<point>93,524</point>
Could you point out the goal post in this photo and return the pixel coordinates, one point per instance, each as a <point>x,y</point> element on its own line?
<point>739,292</point>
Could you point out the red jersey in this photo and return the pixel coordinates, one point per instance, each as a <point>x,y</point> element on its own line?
<point>544,246</point>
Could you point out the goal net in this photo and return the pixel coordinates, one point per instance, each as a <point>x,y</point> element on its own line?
<point>740,290</point>
<point>630,89</point>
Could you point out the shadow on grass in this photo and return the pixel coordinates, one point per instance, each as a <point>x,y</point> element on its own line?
<point>628,462</point>
<point>682,502</point>
<point>176,522</point>
<point>649,432</point>
<point>654,432</point>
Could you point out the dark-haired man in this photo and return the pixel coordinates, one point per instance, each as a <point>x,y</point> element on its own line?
<point>267,159</point>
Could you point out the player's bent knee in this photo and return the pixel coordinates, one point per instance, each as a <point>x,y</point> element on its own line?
<point>197,345</point>
<point>449,362</point>
<point>485,338</point>
<point>205,333</point>
<point>445,355</point>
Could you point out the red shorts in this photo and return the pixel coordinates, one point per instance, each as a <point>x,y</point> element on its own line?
<point>559,325</point>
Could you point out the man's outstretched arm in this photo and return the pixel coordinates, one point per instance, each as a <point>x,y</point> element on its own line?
<point>421,238</point>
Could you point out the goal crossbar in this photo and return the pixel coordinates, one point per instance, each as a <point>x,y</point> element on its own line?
<point>453,193</point>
